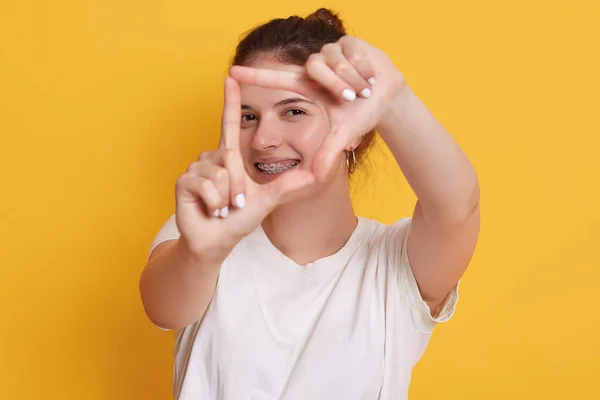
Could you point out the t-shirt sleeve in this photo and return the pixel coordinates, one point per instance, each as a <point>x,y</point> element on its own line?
<point>168,231</point>
<point>420,314</point>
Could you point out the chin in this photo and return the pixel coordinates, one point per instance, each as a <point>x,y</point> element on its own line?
<point>306,194</point>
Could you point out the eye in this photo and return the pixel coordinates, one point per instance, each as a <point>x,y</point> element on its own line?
<point>248,118</point>
<point>294,112</point>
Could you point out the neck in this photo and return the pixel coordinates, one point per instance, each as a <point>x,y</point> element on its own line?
<point>308,229</point>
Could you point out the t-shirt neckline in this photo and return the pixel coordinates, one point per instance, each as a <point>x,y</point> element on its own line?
<point>262,247</point>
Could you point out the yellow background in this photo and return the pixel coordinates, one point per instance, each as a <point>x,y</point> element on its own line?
<point>104,103</point>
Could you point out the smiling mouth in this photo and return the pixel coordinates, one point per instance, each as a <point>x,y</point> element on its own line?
<point>277,168</point>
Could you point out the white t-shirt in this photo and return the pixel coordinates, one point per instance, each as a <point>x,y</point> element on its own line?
<point>348,326</point>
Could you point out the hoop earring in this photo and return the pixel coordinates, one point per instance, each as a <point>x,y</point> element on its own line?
<point>351,164</point>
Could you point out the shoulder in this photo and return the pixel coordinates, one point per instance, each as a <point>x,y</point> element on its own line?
<point>379,232</point>
<point>383,242</point>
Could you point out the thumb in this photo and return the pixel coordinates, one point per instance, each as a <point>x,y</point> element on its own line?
<point>279,190</point>
<point>327,155</point>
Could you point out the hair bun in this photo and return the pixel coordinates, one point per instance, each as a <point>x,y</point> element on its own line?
<point>329,17</point>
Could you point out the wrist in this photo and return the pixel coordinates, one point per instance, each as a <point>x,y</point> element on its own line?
<point>397,112</point>
<point>202,255</point>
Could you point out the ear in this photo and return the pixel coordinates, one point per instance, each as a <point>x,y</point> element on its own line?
<point>355,143</point>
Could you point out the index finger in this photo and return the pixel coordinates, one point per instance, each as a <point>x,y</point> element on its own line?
<point>232,115</point>
<point>271,79</point>
<point>330,150</point>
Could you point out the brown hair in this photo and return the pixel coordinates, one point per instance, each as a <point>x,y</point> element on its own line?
<point>292,41</point>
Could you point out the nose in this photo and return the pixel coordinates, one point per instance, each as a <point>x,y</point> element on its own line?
<point>267,136</point>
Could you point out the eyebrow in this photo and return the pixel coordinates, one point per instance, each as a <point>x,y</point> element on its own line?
<point>291,100</point>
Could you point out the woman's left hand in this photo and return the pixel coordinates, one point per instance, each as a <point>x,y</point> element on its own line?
<point>362,85</point>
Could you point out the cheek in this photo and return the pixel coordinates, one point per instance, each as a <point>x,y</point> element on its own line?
<point>307,137</point>
<point>246,136</point>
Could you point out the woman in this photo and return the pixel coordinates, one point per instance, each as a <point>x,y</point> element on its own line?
<point>275,288</point>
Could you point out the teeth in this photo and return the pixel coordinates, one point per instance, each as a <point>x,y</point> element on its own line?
<point>276,168</point>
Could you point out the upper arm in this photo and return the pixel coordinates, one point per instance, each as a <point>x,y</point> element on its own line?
<point>161,248</point>
<point>440,255</point>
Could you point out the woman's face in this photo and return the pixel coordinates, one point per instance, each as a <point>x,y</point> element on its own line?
<point>280,130</point>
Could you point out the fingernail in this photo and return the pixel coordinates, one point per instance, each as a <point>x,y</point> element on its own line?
<point>366,92</point>
<point>349,94</point>
<point>371,81</point>
<point>240,200</point>
<point>216,213</point>
<point>224,212</point>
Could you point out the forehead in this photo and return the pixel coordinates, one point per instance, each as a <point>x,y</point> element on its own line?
<point>256,96</point>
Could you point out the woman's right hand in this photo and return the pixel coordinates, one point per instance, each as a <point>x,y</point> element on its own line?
<point>217,202</point>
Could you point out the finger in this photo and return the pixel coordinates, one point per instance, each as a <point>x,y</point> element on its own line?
<point>191,188</point>
<point>275,192</point>
<point>271,79</point>
<point>219,176</point>
<point>338,63</point>
<point>328,154</point>
<point>232,161</point>
<point>365,69</point>
<point>232,115</point>
<point>318,70</point>
<point>356,53</point>
<point>234,164</point>
<point>213,157</point>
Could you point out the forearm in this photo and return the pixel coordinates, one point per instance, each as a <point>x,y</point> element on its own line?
<point>176,286</point>
<point>433,163</point>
